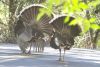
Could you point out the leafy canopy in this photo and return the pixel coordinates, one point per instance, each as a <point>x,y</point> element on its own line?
<point>76,8</point>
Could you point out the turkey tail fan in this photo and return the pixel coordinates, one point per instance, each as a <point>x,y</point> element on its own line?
<point>29,16</point>
<point>31,28</point>
<point>61,27</point>
<point>19,27</point>
<point>65,32</point>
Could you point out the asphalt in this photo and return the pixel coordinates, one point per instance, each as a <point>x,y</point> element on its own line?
<point>10,56</point>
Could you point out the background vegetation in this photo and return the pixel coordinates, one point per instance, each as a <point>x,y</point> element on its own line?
<point>87,13</point>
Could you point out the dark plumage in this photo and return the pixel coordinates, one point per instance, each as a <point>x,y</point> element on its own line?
<point>63,36</point>
<point>28,28</point>
<point>52,42</point>
<point>19,27</point>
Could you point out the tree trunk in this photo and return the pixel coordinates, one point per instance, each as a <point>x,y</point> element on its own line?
<point>12,8</point>
<point>95,39</point>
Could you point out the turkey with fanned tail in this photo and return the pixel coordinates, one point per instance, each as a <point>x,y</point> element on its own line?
<point>28,29</point>
<point>63,34</point>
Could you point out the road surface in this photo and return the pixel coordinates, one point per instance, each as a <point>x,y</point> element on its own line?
<point>10,57</point>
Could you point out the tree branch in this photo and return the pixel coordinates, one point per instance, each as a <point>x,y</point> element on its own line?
<point>1,22</point>
<point>4,2</point>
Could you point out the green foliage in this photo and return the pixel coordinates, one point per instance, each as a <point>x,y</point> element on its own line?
<point>42,12</point>
<point>95,26</point>
<point>74,22</point>
<point>68,7</point>
<point>4,13</point>
<point>86,25</point>
<point>75,8</point>
<point>6,22</point>
<point>83,6</point>
<point>91,20</point>
<point>66,19</point>
<point>93,3</point>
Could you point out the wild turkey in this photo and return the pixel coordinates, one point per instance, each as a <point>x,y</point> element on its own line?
<point>63,35</point>
<point>29,29</point>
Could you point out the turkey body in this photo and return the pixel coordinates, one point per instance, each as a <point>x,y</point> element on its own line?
<point>28,29</point>
<point>63,35</point>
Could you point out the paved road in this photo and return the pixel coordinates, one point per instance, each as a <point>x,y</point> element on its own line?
<point>10,57</point>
